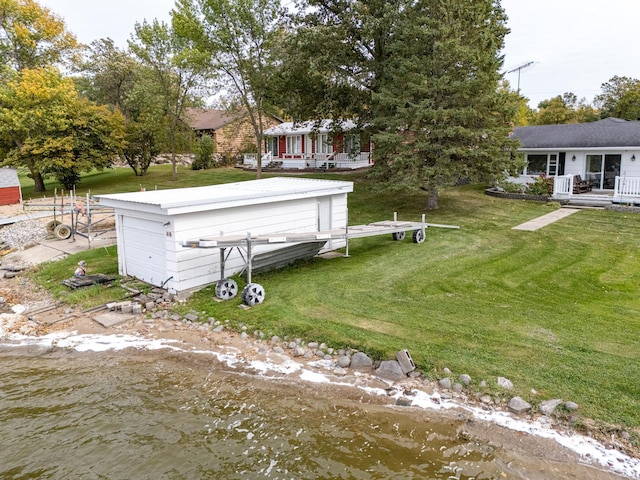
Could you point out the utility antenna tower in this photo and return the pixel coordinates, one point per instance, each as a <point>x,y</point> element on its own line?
<point>518,69</point>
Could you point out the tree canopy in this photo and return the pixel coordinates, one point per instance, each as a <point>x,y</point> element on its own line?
<point>240,38</point>
<point>440,115</point>
<point>180,72</point>
<point>620,98</point>
<point>422,76</point>
<point>48,128</point>
<point>33,36</point>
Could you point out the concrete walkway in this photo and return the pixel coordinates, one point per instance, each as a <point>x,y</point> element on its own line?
<point>544,220</point>
<point>51,250</point>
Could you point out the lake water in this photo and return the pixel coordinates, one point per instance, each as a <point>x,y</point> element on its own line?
<point>162,414</point>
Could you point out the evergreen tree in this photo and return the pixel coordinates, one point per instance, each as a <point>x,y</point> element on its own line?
<point>439,116</point>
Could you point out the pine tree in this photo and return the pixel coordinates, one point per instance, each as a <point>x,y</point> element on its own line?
<point>440,115</point>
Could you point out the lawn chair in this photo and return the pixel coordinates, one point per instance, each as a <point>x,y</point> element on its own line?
<point>579,185</point>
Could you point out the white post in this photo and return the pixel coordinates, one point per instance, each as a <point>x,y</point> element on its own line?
<point>346,234</point>
<point>248,257</point>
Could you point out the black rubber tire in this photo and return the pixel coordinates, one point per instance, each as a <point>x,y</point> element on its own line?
<point>253,294</point>
<point>226,289</point>
<point>62,231</point>
<point>418,236</point>
<point>399,236</point>
<point>51,226</point>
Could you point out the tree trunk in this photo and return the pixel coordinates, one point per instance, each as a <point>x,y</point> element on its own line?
<point>259,158</point>
<point>38,182</point>
<point>174,164</point>
<point>432,199</point>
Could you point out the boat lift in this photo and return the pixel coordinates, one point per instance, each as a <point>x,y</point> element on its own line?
<point>85,215</point>
<point>254,293</point>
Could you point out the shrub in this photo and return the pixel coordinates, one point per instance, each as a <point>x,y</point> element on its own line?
<point>511,187</point>
<point>542,185</point>
<point>204,149</point>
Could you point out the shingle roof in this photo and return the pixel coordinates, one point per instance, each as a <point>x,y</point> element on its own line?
<point>208,118</point>
<point>8,178</point>
<point>610,132</point>
<point>301,128</point>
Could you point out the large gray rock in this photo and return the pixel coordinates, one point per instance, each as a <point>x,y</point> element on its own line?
<point>571,406</point>
<point>344,361</point>
<point>464,379</point>
<point>518,406</point>
<point>505,383</point>
<point>445,383</point>
<point>361,362</point>
<point>390,370</point>
<point>547,407</point>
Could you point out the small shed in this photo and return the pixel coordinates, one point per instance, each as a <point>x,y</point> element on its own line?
<point>10,191</point>
<point>152,226</point>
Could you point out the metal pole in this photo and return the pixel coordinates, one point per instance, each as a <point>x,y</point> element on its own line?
<point>222,263</point>
<point>87,212</point>
<point>248,257</point>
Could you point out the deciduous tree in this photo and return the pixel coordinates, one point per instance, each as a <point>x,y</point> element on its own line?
<point>179,71</point>
<point>240,38</point>
<point>46,127</point>
<point>620,98</point>
<point>33,36</point>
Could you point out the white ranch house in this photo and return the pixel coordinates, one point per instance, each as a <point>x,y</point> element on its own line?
<point>604,155</point>
<point>314,145</point>
<point>152,227</point>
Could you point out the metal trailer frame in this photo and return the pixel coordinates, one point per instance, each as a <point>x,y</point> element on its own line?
<point>253,292</point>
<point>90,208</point>
<point>75,208</point>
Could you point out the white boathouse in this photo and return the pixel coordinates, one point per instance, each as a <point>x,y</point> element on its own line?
<point>152,227</point>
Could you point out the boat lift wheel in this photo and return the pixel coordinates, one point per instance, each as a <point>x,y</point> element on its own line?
<point>397,236</point>
<point>51,226</point>
<point>226,289</point>
<point>418,236</point>
<point>253,294</point>
<point>62,231</point>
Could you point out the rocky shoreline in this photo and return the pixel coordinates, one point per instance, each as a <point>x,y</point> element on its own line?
<point>151,316</point>
<point>194,333</point>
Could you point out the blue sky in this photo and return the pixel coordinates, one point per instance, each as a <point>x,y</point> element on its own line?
<point>576,46</point>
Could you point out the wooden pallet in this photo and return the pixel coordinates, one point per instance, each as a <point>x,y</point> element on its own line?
<point>87,280</point>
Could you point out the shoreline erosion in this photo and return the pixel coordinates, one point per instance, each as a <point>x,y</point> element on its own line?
<point>265,360</point>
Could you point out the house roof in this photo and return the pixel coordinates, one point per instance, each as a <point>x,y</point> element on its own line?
<point>8,178</point>
<point>301,128</point>
<point>209,118</point>
<point>215,197</point>
<point>610,132</point>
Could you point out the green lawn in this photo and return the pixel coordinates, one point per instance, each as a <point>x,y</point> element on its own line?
<point>554,310</point>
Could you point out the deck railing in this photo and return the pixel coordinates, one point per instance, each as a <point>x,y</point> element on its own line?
<point>627,190</point>
<point>312,160</point>
<point>562,186</point>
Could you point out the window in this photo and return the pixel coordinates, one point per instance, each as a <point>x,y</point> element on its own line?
<point>536,164</point>
<point>323,143</point>
<point>352,144</point>
<point>294,144</point>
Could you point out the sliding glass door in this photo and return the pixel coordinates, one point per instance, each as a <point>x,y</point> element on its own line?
<point>611,171</point>
<point>602,170</point>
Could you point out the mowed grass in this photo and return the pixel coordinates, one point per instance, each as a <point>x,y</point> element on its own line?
<point>556,310</point>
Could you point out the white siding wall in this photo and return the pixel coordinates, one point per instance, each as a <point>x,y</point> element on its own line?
<point>628,167</point>
<point>143,228</point>
<point>196,267</point>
